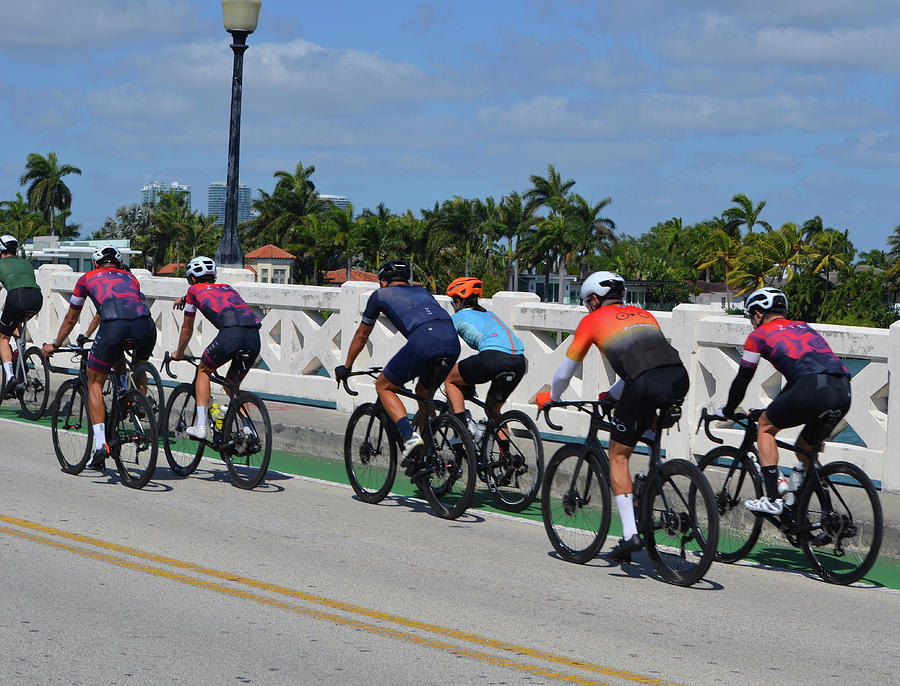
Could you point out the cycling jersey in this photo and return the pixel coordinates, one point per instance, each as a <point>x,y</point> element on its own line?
<point>116,294</point>
<point>794,349</point>
<point>628,337</point>
<point>486,331</point>
<point>407,307</point>
<point>16,273</point>
<point>220,304</point>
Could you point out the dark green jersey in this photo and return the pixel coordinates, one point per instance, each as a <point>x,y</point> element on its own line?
<point>16,273</point>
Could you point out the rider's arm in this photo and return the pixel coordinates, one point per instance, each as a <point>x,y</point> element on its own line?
<point>68,323</point>
<point>92,327</point>
<point>738,388</point>
<point>562,377</point>
<point>358,343</point>
<point>187,328</point>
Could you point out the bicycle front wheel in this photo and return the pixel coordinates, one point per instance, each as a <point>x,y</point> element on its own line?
<point>680,522</point>
<point>448,481</point>
<point>734,478</point>
<point>247,440</point>
<point>147,374</point>
<point>34,388</point>
<point>183,453</point>
<point>844,523</point>
<point>575,504</point>
<point>70,427</point>
<point>135,439</point>
<point>512,461</point>
<point>370,453</point>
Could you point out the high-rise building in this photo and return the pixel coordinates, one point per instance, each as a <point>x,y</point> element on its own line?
<point>151,192</point>
<point>340,201</point>
<point>216,204</point>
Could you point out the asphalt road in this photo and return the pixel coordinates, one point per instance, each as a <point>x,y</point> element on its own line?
<point>194,581</point>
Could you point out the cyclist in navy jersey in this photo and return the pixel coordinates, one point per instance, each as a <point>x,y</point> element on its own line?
<point>238,331</point>
<point>430,351</point>
<point>124,315</point>
<point>817,393</point>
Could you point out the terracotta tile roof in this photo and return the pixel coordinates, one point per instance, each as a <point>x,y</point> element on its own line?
<point>268,252</point>
<point>170,268</point>
<point>339,276</point>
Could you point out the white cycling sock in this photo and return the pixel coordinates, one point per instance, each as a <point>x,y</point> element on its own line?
<point>7,368</point>
<point>99,436</point>
<point>202,414</point>
<point>625,505</point>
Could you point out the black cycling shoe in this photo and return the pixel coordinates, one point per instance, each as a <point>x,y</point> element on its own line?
<point>97,463</point>
<point>624,548</point>
<point>10,390</point>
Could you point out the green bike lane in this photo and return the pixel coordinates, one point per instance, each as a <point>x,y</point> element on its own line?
<point>885,573</point>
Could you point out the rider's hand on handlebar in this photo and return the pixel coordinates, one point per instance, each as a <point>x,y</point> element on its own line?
<point>607,402</point>
<point>175,355</point>
<point>342,373</point>
<point>178,304</point>
<point>542,399</point>
<point>48,349</point>
<point>719,414</point>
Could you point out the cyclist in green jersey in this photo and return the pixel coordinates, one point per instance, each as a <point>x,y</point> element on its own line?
<point>23,299</point>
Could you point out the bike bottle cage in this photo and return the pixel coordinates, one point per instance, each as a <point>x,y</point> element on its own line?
<point>669,414</point>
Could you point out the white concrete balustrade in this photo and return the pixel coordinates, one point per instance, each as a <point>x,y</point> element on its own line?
<point>308,328</point>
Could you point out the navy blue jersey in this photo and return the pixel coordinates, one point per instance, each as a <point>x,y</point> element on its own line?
<point>407,307</point>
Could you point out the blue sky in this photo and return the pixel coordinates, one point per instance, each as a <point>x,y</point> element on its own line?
<point>669,107</point>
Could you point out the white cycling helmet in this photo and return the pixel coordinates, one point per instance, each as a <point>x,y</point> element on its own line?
<point>8,243</point>
<point>765,299</point>
<point>201,266</point>
<point>601,283</point>
<point>105,253</point>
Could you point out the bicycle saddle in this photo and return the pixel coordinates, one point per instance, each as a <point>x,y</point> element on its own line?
<point>669,413</point>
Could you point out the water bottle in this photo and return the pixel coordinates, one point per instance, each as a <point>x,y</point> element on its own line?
<point>216,415</point>
<point>479,431</point>
<point>637,486</point>
<point>784,490</point>
<point>221,419</point>
<point>797,476</point>
<point>470,424</point>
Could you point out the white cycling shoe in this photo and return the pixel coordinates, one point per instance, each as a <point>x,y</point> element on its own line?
<point>765,505</point>
<point>198,433</point>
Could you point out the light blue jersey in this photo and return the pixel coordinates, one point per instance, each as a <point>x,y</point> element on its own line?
<point>486,331</point>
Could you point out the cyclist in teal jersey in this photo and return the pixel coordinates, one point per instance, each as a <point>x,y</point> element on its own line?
<point>22,297</point>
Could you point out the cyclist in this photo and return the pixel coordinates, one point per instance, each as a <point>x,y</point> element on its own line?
<point>23,298</point>
<point>650,375</point>
<point>124,315</point>
<point>430,351</point>
<point>817,393</point>
<point>499,350</point>
<point>238,332</point>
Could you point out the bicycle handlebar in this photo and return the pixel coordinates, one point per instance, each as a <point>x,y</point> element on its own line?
<point>586,406</point>
<point>167,359</point>
<point>744,419</point>
<point>372,371</point>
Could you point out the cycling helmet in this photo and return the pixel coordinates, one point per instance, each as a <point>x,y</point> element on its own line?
<point>465,287</point>
<point>601,284</point>
<point>8,243</point>
<point>395,270</point>
<point>201,266</point>
<point>765,299</point>
<point>107,253</point>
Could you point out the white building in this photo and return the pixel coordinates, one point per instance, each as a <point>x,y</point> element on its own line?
<point>340,201</point>
<point>77,254</point>
<point>151,192</point>
<point>216,202</point>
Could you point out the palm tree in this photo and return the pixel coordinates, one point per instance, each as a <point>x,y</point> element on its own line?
<point>720,250</point>
<point>171,217</point>
<point>18,219</point>
<point>830,250</point>
<point>346,232</point>
<point>514,221</point>
<point>550,192</point>
<point>592,232</point>
<point>47,192</point>
<point>745,214</point>
<point>283,212</point>
<point>379,234</point>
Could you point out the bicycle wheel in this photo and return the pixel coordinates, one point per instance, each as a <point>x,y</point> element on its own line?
<point>680,522</point>
<point>183,453</point>
<point>133,439</point>
<point>34,387</point>
<point>575,504</point>
<point>247,440</point>
<point>370,453</point>
<point>845,523</point>
<point>70,427</point>
<point>734,478</point>
<point>155,391</point>
<point>448,481</point>
<point>512,461</point>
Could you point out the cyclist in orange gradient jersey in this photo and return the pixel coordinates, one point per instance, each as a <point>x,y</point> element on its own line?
<point>650,375</point>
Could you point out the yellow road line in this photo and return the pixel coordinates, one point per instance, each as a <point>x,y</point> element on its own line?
<point>320,600</point>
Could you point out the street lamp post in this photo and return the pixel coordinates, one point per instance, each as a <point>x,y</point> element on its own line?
<point>240,18</point>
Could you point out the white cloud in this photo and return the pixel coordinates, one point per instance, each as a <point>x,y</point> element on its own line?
<point>870,149</point>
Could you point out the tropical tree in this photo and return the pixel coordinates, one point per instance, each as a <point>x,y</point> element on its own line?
<point>514,221</point>
<point>19,220</point>
<point>379,235</point>
<point>720,250</point>
<point>47,192</point>
<point>745,214</point>
<point>282,213</point>
<point>591,232</point>
<point>550,192</point>
<point>345,233</point>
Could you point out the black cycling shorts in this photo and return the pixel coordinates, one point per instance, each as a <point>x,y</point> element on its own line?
<point>486,365</point>
<point>230,341</point>
<point>642,396</point>
<point>20,302</point>
<point>817,400</point>
<point>109,343</point>
<point>427,344</point>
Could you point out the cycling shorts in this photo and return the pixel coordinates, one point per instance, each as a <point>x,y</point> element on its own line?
<point>20,302</point>
<point>109,343</point>
<point>642,396</point>
<point>486,365</point>
<point>427,344</point>
<point>230,341</point>
<point>817,400</point>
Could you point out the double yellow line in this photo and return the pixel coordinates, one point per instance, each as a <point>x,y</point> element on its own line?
<point>140,563</point>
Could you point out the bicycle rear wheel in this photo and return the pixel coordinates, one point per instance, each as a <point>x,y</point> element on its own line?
<point>734,478</point>
<point>680,522</point>
<point>448,481</point>
<point>33,390</point>
<point>512,461</point>
<point>370,453</point>
<point>845,523</point>
<point>155,390</point>
<point>134,439</point>
<point>183,453</point>
<point>575,504</point>
<point>247,440</point>
<point>70,427</point>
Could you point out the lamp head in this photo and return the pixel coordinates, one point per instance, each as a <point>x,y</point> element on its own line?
<point>241,15</point>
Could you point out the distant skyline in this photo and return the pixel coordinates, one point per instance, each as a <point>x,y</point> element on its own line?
<point>669,107</point>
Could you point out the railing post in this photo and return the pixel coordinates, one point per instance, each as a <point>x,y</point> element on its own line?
<point>890,476</point>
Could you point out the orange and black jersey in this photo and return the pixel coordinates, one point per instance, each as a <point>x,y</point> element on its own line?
<point>628,336</point>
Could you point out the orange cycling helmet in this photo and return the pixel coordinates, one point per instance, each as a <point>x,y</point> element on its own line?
<point>465,287</point>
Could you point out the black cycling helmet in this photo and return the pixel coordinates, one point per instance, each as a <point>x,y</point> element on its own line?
<point>395,270</point>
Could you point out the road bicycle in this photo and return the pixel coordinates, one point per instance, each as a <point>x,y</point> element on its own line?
<point>32,374</point>
<point>675,508</point>
<point>131,427</point>
<point>242,437</point>
<point>446,472</point>
<point>836,517</point>
<point>152,386</point>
